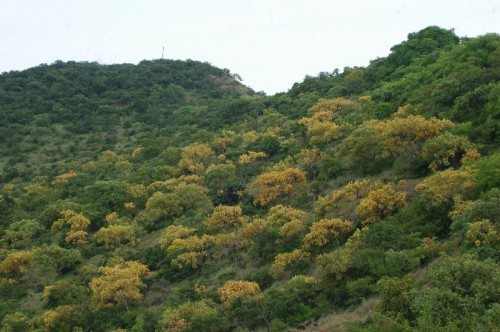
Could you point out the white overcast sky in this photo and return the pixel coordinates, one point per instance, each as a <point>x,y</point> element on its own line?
<point>270,44</point>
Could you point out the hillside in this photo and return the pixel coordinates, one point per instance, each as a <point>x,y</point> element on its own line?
<point>167,196</point>
<point>73,111</point>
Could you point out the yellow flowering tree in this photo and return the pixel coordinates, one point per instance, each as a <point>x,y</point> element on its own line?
<point>17,263</point>
<point>322,231</point>
<point>284,261</point>
<point>237,290</point>
<point>380,203</point>
<point>482,233</point>
<point>196,157</point>
<point>225,217</point>
<point>273,185</point>
<point>447,186</point>
<point>119,284</point>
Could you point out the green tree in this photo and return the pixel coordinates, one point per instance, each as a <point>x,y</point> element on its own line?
<point>22,233</point>
<point>16,322</point>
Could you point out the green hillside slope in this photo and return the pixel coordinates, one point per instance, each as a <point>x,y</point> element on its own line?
<point>167,196</point>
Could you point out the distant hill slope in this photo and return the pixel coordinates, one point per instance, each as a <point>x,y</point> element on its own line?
<point>50,112</point>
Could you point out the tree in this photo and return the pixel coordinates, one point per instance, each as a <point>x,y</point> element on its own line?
<point>114,235</point>
<point>250,157</point>
<point>286,260</point>
<point>447,186</point>
<point>119,284</point>
<point>226,138</point>
<point>6,210</point>
<point>161,206</point>
<point>482,233</point>
<point>248,233</point>
<point>380,204</point>
<point>63,178</point>
<point>237,290</point>
<point>22,233</point>
<point>193,197</point>
<point>192,249</point>
<point>65,291</point>
<point>77,234</point>
<point>352,191</point>
<point>16,322</point>
<point>420,43</point>
<point>64,317</point>
<point>375,140</point>
<point>201,315</point>
<point>310,158</point>
<point>218,175</point>
<point>17,262</point>
<point>195,158</point>
<point>52,258</point>
<point>488,172</point>
<point>320,125</point>
<point>292,229</point>
<point>224,217</point>
<point>280,214</point>
<point>275,184</point>
<point>334,105</point>
<point>190,259</point>
<point>337,263</point>
<point>173,232</point>
<point>401,135</point>
<point>448,150</point>
<point>321,231</point>
<point>452,293</point>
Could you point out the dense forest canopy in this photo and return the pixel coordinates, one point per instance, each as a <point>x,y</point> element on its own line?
<point>167,196</point>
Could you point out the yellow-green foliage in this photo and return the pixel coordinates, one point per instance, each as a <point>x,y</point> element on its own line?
<point>237,290</point>
<point>250,157</point>
<point>321,232</point>
<point>448,150</point>
<point>63,178</point>
<point>248,232</point>
<point>114,235</point>
<point>179,318</point>
<point>447,186</point>
<point>173,232</point>
<point>225,217</point>
<point>17,263</point>
<point>272,186</point>
<point>284,260</point>
<point>119,284</point>
<point>380,203</point>
<point>482,233</point>
<point>61,317</point>
<point>320,125</point>
<point>352,191</point>
<point>226,194</point>
<point>195,158</point>
<point>337,263</point>
<point>279,215</point>
<point>77,234</point>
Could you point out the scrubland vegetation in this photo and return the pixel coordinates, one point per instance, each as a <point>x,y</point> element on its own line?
<point>167,196</point>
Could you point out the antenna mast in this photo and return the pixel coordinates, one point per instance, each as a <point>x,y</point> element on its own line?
<point>162,50</point>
